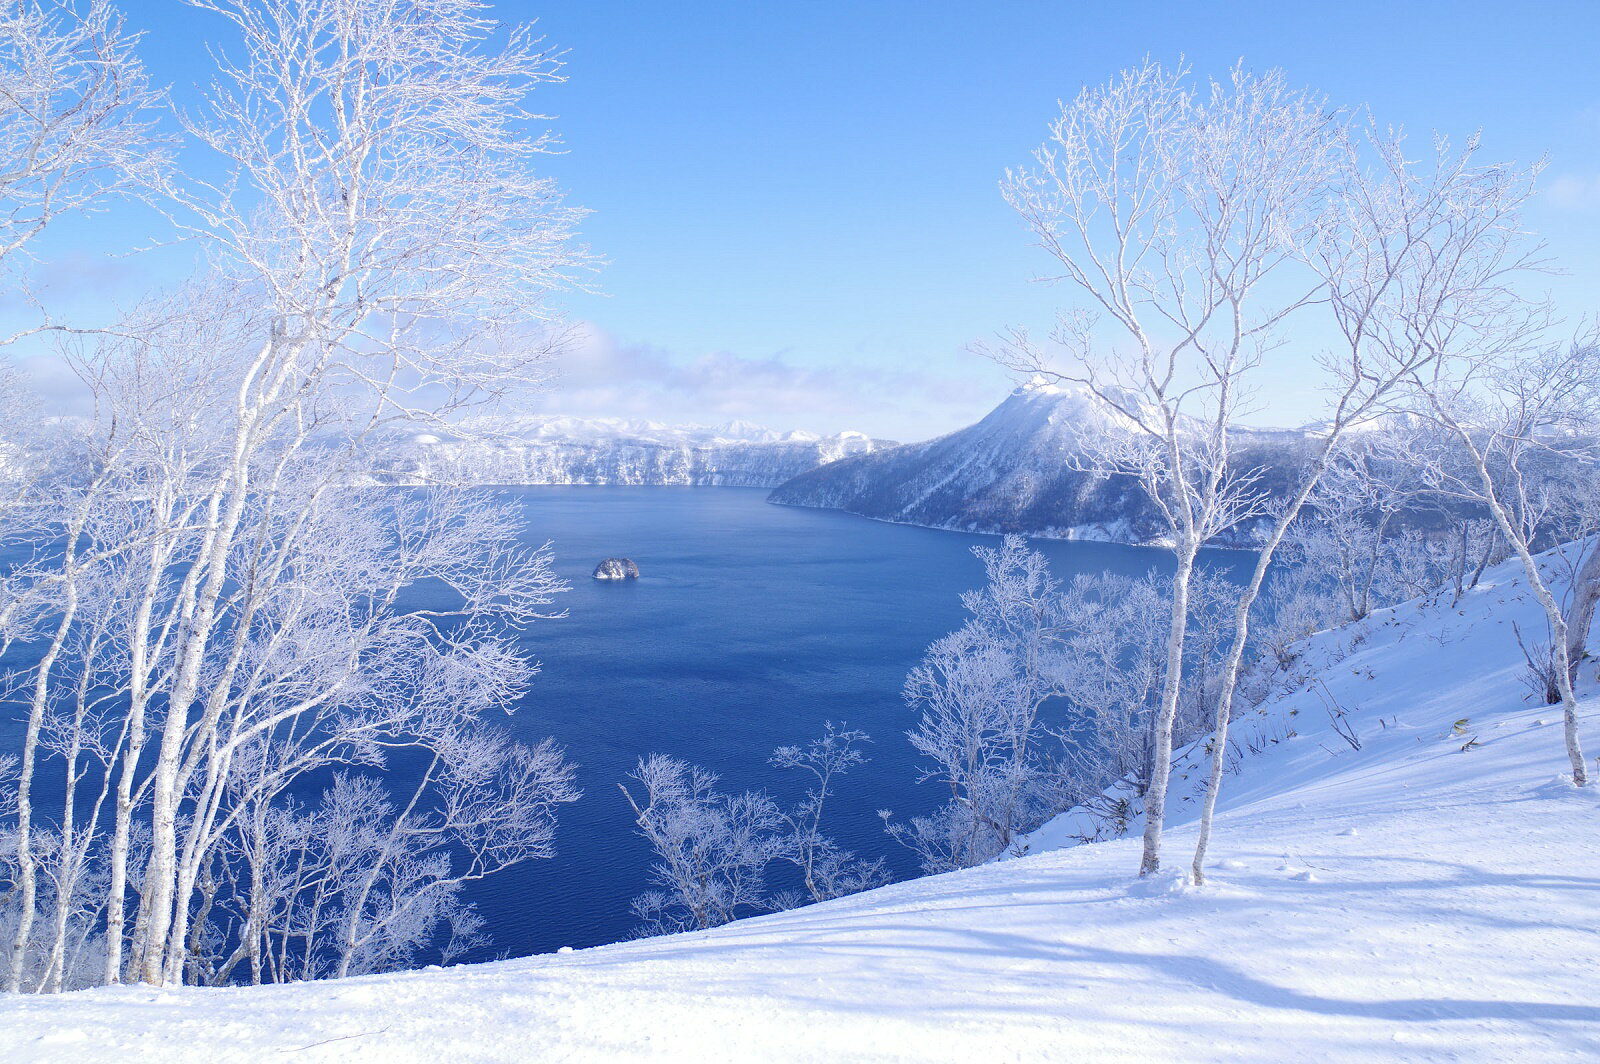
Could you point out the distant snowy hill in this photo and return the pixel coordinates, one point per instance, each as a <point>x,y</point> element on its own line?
<point>566,450</point>
<point>1012,472</point>
<point>1429,896</point>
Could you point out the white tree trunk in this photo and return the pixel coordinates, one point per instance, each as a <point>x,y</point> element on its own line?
<point>27,866</point>
<point>1155,798</point>
<point>1580,618</point>
<point>1234,662</point>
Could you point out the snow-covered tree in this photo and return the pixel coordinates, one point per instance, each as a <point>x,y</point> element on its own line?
<point>1182,216</point>
<point>826,869</point>
<point>74,130</point>
<point>712,849</point>
<point>1194,223</point>
<point>75,119</point>
<point>382,220</point>
<point>1414,257</point>
<point>381,251</point>
<point>1356,535</point>
<point>1523,415</point>
<point>1115,646</point>
<point>979,691</point>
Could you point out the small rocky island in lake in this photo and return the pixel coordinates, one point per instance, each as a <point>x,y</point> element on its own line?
<point>616,569</point>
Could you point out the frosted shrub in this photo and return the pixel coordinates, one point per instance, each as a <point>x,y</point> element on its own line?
<point>826,870</point>
<point>713,849</point>
<point>978,692</point>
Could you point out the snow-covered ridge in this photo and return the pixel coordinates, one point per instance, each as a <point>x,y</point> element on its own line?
<point>1428,896</point>
<point>1013,472</point>
<point>565,450</point>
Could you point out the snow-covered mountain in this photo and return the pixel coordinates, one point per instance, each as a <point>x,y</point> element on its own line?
<point>1427,896</point>
<point>1012,472</point>
<point>566,450</point>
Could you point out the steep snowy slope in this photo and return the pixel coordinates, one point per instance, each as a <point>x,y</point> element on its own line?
<point>1428,897</point>
<point>562,450</point>
<point>1010,472</point>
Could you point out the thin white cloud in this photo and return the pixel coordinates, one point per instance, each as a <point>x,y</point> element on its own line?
<point>600,376</point>
<point>1573,192</point>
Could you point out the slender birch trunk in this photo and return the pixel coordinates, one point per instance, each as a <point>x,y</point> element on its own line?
<point>1553,616</point>
<point>1155,799</point>
<point>1585,597</point>
<point>1234,663</point>
<point>156,901</point>
<point>27,866</point>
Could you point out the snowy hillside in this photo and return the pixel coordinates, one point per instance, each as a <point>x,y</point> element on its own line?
<point>1430,896</point>
<point>1010,472</point>
<point>565,450</point>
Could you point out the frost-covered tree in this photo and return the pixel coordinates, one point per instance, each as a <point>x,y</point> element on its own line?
<point>381,216</point>
<point>979,692</point>
<point>711,848</point>
<point>1523,416</point>
<point>323,664</point>
<point>381,251</point>
<point>1355,535</point>
<point>75,118</point>
<point>1194,222</point>
<point>75,131</point>
<point>1415,258</point>
<point>1115,646</point>
<point>1182,216</point>
<point>826,869</point>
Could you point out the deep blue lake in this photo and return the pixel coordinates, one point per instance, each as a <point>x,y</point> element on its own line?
<point>751,626</point>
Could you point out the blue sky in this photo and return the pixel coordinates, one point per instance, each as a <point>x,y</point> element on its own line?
<point>798,203</point>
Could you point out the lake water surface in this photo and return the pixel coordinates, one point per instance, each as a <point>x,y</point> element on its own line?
<point>752,625</point>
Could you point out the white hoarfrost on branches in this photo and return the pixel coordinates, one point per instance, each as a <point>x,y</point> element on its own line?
<point>1048,699</point>
<point>713,850</point>
<point>1180,213</point>
<point>826,870</point>
<point>75,119</point>
<point>1521,420</point>
<point>224,613</point>
<point>1194,223</point>
<point>980,691</point>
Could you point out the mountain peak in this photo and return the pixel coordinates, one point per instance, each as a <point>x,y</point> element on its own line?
<point>1042,385</point>
<point>1015,470</point>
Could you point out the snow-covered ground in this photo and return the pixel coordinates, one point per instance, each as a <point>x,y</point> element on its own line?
<point>1432,896</point>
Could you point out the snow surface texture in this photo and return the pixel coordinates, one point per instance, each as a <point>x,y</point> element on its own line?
<point>1012,472</point>
<point>564,450</point>
<point>1429,897</point>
